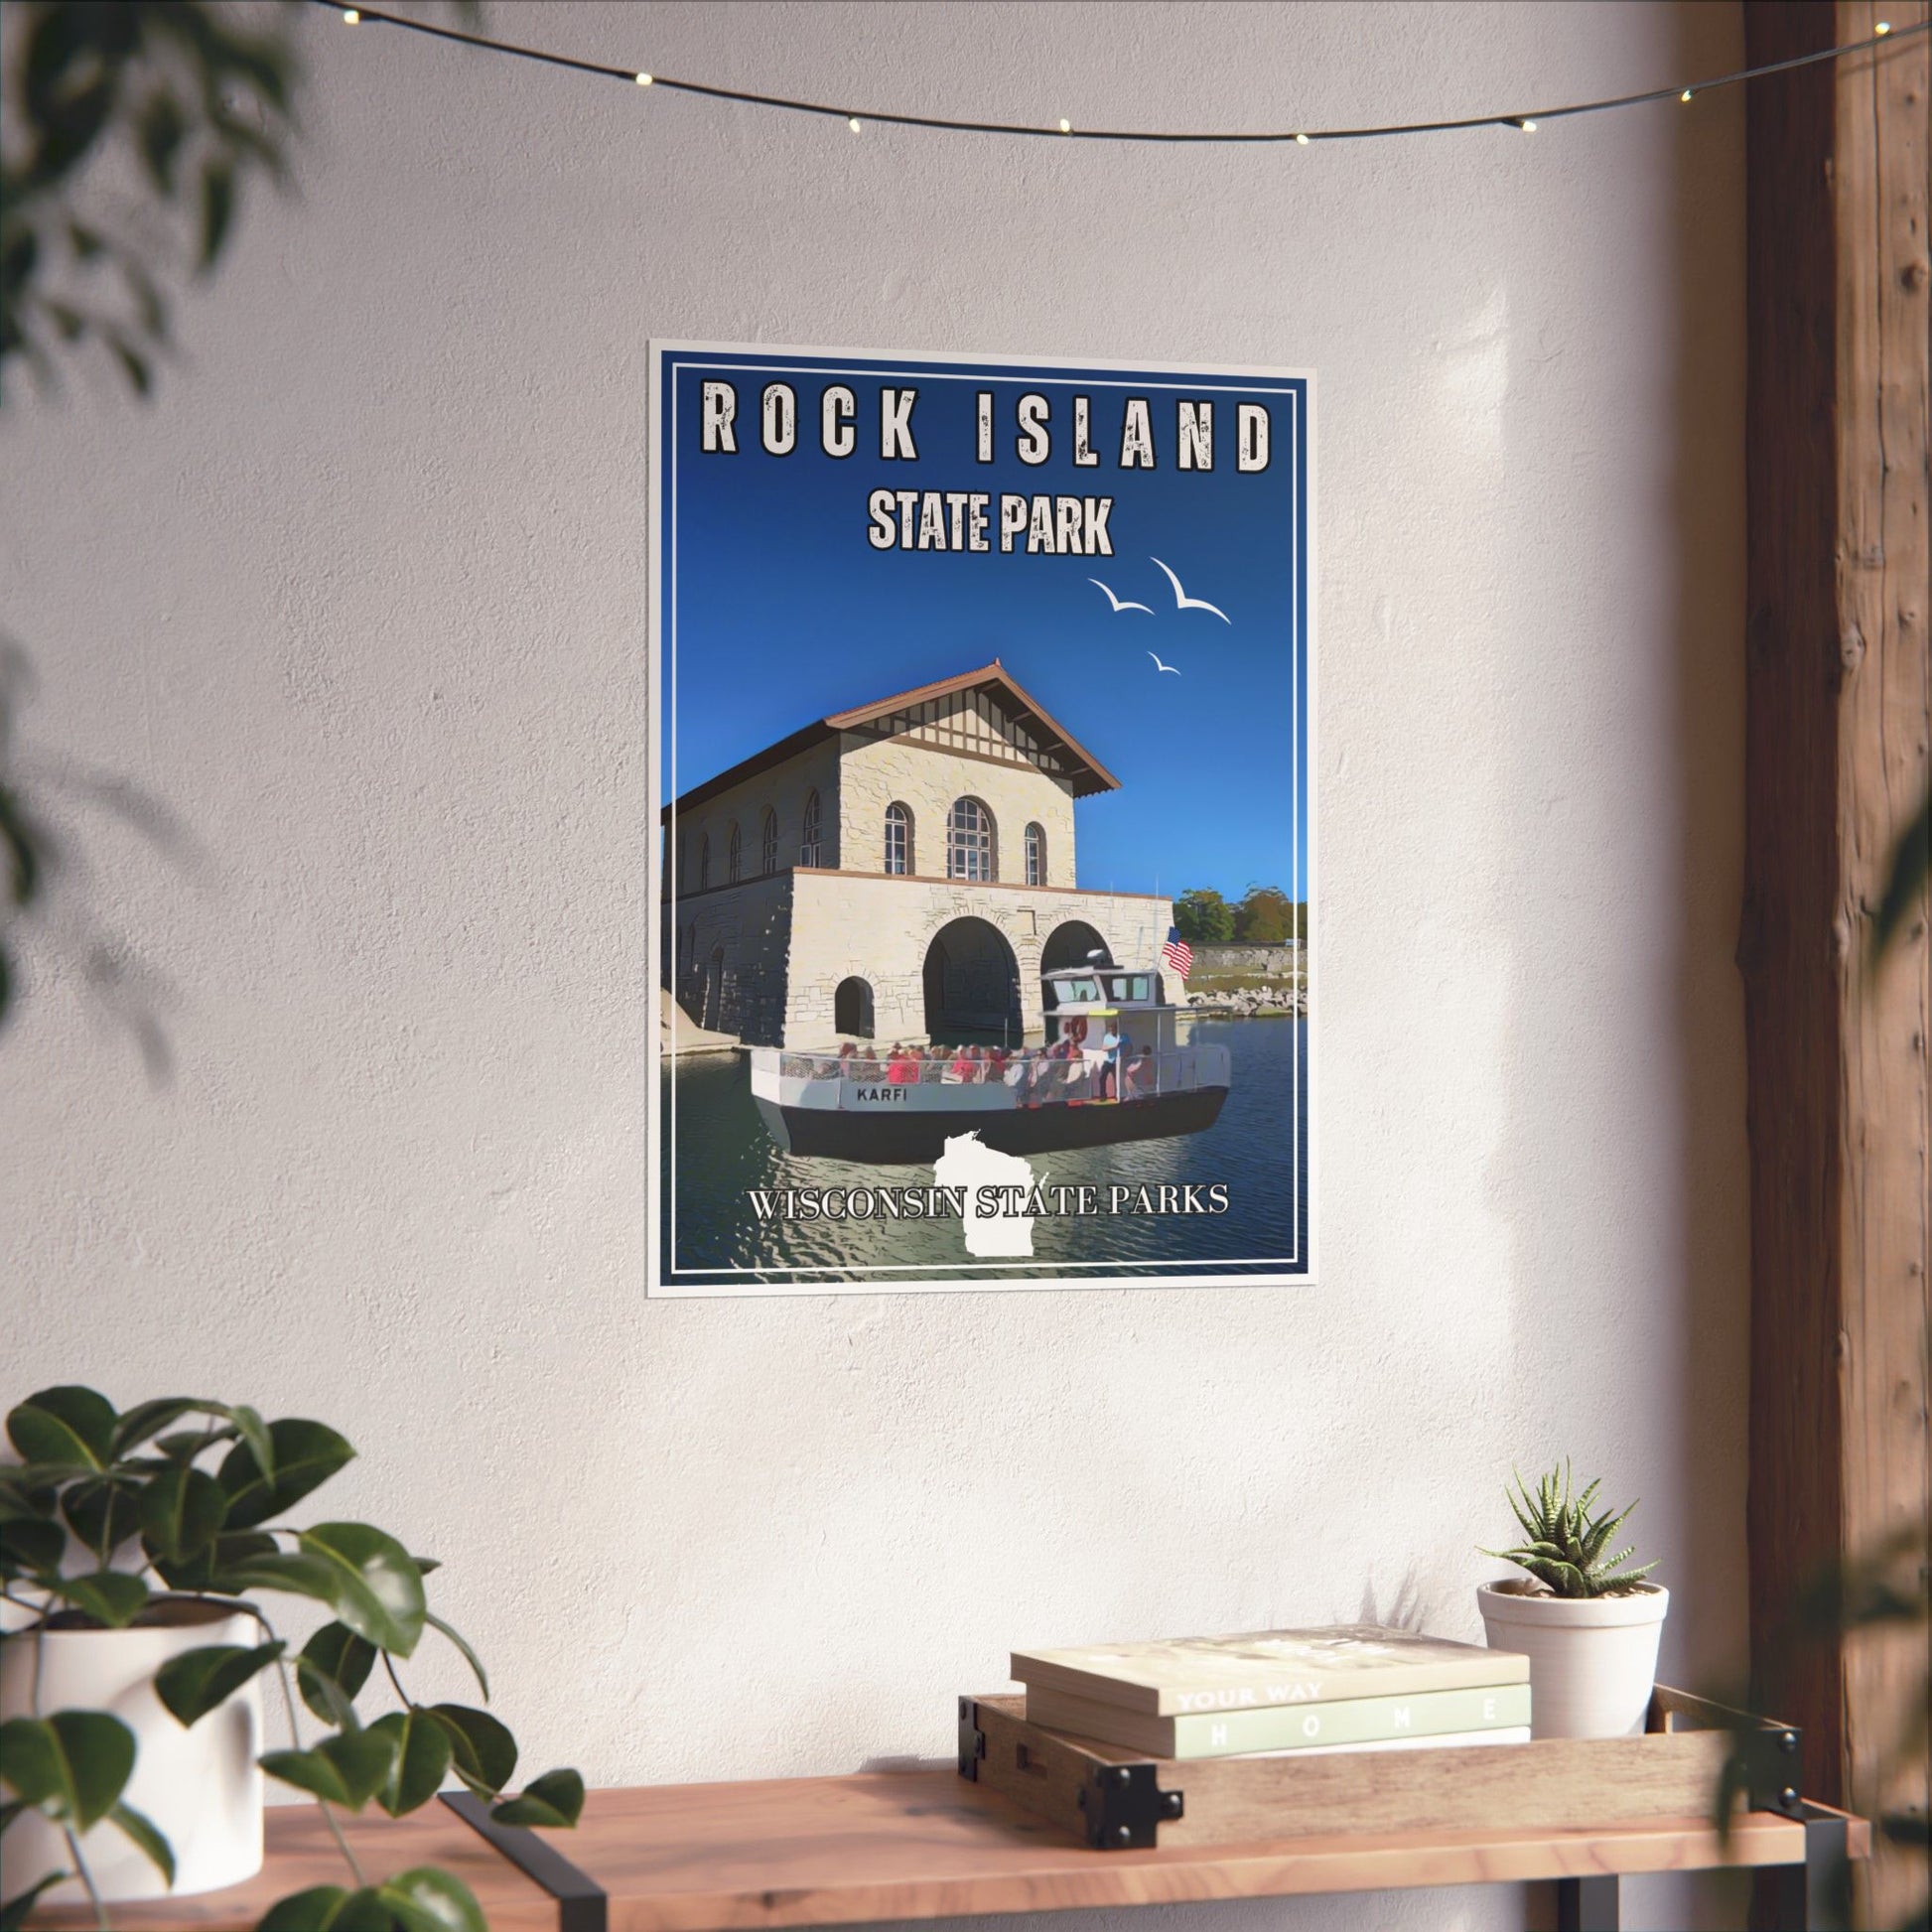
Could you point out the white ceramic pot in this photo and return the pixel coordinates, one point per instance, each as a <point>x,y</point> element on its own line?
<point>201,1787</point>
<point>1592,1659</point>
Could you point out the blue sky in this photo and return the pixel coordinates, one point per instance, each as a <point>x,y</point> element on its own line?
<point>784,612</point>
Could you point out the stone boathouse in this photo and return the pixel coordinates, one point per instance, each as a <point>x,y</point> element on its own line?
<point>901,870</point>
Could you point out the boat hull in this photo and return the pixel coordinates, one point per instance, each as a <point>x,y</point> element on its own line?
<point>918,1139</point>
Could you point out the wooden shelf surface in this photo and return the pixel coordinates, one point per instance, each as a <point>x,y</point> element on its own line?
<point>921,1843</point>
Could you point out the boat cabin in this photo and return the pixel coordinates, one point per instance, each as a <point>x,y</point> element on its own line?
<point>1084,1002</point>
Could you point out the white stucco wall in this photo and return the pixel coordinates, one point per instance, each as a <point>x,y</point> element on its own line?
<point>360,597</point>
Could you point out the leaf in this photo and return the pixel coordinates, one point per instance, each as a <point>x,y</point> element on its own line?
<point>423,1751</point>
<point>469,1656</point>
<point>425,1900</point>
<point>101,1511</point>
<point>208,1569</point>
<point>327,1908</point>
<point>298,1574</point>
<point>258,1437</point>
<point>149,1419</point>
<point>68,1423</point>
<point>30,1544</point>
<point>217,209</point>
<point>305,1455</point>
<point>347,1770</point>
<point>74,1766</point>
<point>482,1752</point>
<point>180,1513</point>
<point>333,1659</point>
<point>110,1596</point>
<point>140,1828</point>
<point>200,1680</point>
<point>556,1798</point>
<point>379,1589</point>
<point>15,1912</point>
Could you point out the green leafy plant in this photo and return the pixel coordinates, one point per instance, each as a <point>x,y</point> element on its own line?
<point>109,1517</point>
<point>1565,1543</point>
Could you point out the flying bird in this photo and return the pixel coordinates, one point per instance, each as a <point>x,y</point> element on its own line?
<point>1159,666</point>
<point>1182,601</point>
<point>1115,602</point>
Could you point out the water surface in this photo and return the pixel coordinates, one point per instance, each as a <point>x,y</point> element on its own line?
<point>715,1149</point>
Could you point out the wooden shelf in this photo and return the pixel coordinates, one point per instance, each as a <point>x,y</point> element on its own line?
<point>918,1844</point>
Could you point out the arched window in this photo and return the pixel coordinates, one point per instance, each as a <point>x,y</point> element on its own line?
<point>703,861</point>
<point>1036,856</point>
<point>969,840</point>
<point>734,855</point>
<point>769,841</point>
<point>808,835</point>
<point>898,840</point>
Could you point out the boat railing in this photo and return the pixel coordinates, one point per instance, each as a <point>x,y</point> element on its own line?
<point>1036,1080</point>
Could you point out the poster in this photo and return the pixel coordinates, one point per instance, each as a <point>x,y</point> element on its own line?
<point>982,900</point>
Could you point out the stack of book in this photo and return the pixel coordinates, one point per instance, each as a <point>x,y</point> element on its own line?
<point>1350,1687</point>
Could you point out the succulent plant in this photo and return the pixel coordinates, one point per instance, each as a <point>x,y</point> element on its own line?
<point>1565,1542</point>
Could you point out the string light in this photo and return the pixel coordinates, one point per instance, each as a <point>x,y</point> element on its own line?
<point>1527,123</point>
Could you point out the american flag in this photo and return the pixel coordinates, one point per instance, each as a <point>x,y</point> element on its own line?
<point>1177,953</point>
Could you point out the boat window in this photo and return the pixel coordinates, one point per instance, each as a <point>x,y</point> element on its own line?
<point>1128,985</point>
<point>1076,992</point>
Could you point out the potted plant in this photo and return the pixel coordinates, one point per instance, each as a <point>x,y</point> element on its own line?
<point>1589,1624</point>
<point>136,1551</point>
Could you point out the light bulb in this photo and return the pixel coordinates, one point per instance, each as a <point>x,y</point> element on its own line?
<point>1300,140</point>
<point>1882,29</point>
<point>853,123</point>
<point>349,16</point>
<point>1066,127</point>
<point>1528,128</point>
<point>644,79</point>
<point>1685,96</point>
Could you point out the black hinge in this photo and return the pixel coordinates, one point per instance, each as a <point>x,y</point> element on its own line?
<point>972,1739</point>
<point>1774,1777</point>
<point>1125,1805</point>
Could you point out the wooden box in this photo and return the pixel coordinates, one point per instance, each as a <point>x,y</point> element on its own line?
<point>1118,1799</point>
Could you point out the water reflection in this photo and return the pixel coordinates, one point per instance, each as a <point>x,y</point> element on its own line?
<point>718,1149</point>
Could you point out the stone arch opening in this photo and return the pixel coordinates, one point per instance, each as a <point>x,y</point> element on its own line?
<point>1069,944</point>
<point>852,1008</point>
<point>972,984</point>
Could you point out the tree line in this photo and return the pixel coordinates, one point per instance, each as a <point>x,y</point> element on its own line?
<point>1263,915</point>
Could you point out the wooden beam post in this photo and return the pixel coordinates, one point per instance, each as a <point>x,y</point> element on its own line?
<point>1839,699</point>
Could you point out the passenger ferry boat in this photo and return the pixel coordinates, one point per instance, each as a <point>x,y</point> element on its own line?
<point>864,1103</point>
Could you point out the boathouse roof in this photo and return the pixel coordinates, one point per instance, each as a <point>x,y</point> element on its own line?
<point>1055,750</point>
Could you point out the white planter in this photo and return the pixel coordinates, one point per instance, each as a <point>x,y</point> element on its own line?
<point>201,1787</point>
<point>1592,1659</point>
